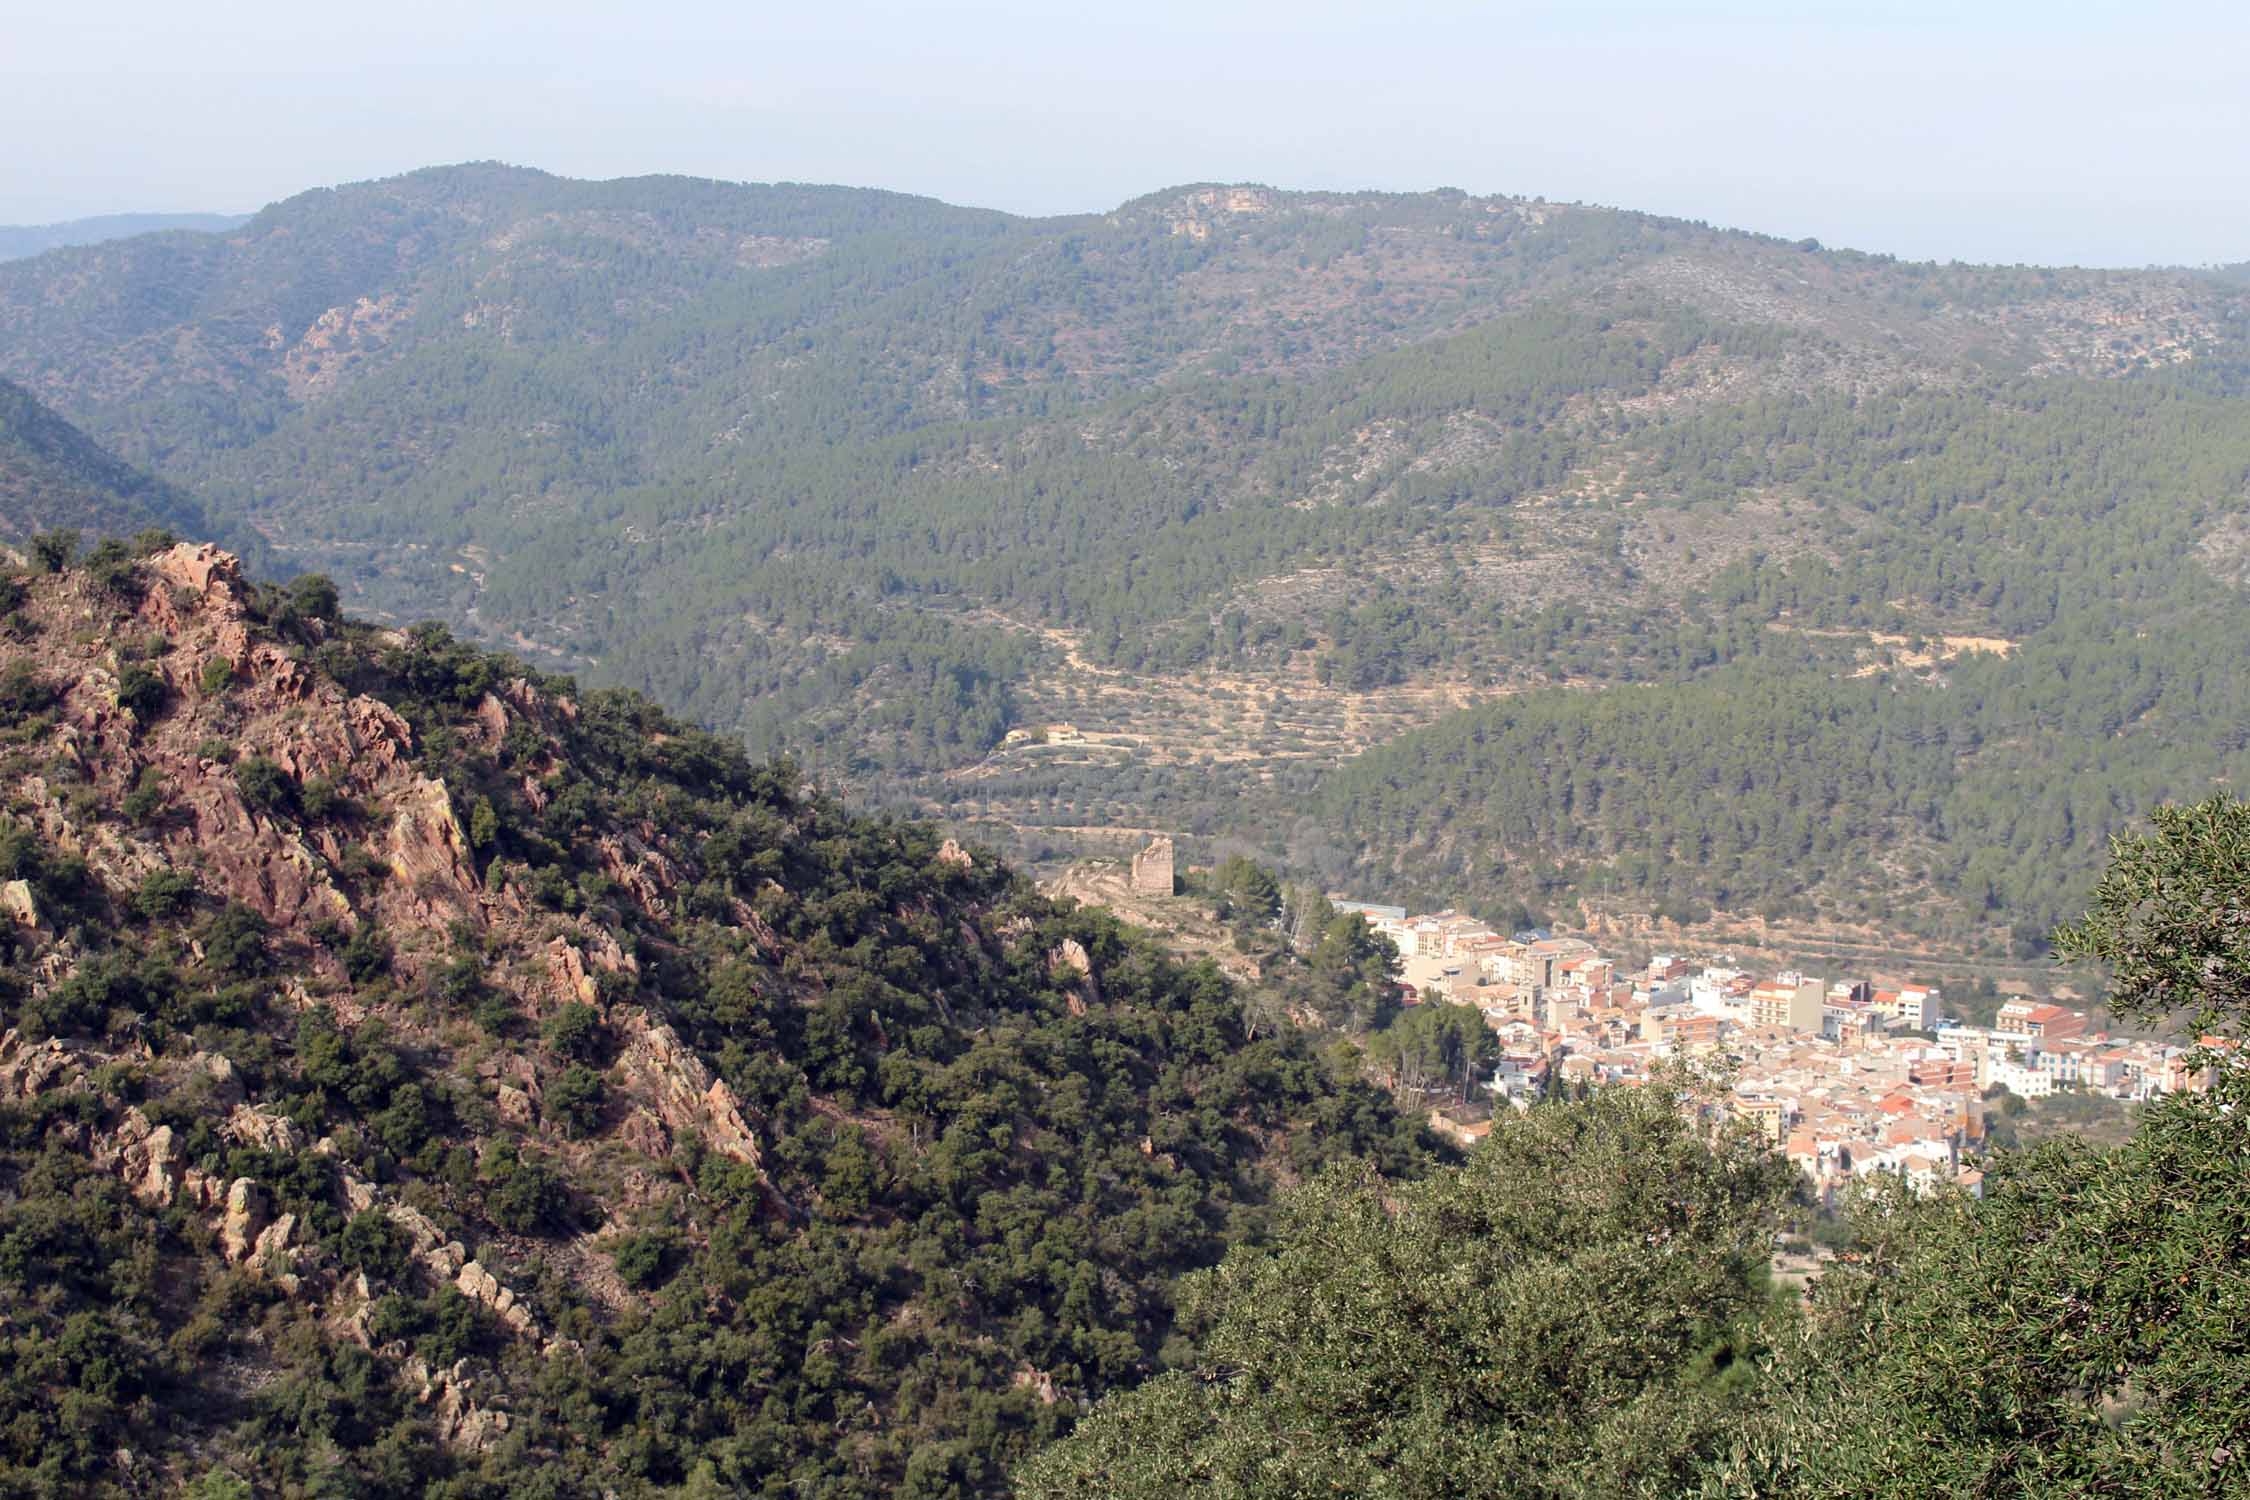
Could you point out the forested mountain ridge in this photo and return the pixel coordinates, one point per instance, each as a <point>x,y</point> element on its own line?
<point>20,240</point>
<point>423,1078</point>
<point>53,476</point>
<point>1241,481</point>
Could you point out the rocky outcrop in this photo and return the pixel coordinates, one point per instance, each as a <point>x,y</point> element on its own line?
<point>18,906</point>
<point>153,1165</point>
<point>215,577</point>
<point>567,965</point>
<point>28,1069</point>
<point>480,1286</point>
<point>217,1076</point>
<point>573,965</point>
<point>263,1130</point>
<point>245,1219</point>
<point>428,854</point>
<point>1039,1383</point>
<point>657,1066</point>
<point>1071,963</point>
<point>270,1258</point>
<point>377,741</point>
<point>515,1107</point>
<point>462,1423</point>
<point>197,567</point>
<point>639,868</point>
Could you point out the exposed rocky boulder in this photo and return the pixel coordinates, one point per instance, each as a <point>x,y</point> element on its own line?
<point>429,854</point>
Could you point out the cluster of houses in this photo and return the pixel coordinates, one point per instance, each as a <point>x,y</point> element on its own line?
<point>1846,1076</point>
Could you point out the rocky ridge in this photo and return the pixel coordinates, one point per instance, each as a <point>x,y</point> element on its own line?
<point>403,1041</point>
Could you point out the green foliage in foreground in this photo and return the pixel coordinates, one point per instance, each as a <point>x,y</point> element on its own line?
<point>1532,1325</point>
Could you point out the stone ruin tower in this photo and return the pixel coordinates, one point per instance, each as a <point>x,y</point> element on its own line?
<point>1152,868</point>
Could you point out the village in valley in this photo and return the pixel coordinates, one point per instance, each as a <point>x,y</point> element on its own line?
<point>1847,1075</point>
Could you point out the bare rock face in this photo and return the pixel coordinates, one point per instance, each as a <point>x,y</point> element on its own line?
<point>248,856</point>
<point>264,1130</point>
<point>1039,1383</point>
<point>196,566</point>
<point>269,1254</point>
<point>603,952</point>
<point>225,1084</point>
<point>515,1107</point>
<point>568,966</point>
<point>429,854</point>
<point>492,722</point>
<point>216,576</point>
<point>19,906</point>
<point>28,1069</point>
<point>951,853</point>
<point>461,1423</point>
<point>378,740</point>
<point>246,1218</point>
<point>641,870</point>
<point>645,1133</point>
<point>658,1066</point>
<point>153,1165</point>
<point>1070,958</point>
<point>479,1285</point>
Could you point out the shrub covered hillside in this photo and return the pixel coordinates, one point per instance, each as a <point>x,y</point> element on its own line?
<point>423,1079</point>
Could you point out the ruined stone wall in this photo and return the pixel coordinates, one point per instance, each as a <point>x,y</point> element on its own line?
<point>1152,868</point>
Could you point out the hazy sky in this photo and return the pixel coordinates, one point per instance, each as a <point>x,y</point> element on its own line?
<point>2036,130</point>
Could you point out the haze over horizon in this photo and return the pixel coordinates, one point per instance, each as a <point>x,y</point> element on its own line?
<point>2098,136</point>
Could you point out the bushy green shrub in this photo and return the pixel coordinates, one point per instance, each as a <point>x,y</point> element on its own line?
<point>574,1099</point>
<point>111,568</point>
<point>265,786</point>
<point>645,1260</point>
<point>366,954</point>
<point>234,940</point>
<point>371,1242</point>
<point>320,798</point>
<point>147,796</point>
<point>164,893</point>
<point>52,551</point>
<point>521,1193</point>
<point>23,693</point>
<point>576,1032</point>
<point>142,691</point>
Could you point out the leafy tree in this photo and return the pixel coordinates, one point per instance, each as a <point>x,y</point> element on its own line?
<point>52,551</point>
<point>1527,1325</point>
<point>314,596</point>
<point>575,1099</point>
<point>264,785</point>
<point>142,691</point>
<point>164,893</point>
<point>234,940</point>
<point>23,693</point>
<point>576,1032</point>
<point>2171,922</point>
